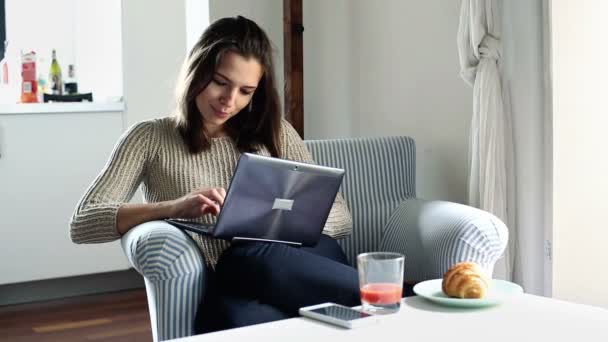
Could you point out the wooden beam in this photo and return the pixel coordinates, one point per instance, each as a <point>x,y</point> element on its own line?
<point>294,64</point>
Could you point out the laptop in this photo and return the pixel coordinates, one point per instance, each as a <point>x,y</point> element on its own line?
<point>276,200</point>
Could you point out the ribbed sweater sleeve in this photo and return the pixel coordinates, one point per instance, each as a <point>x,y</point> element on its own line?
<point>94,219</point>
<point>339,222</point>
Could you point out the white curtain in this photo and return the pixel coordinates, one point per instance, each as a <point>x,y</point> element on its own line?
<point>490,145</point>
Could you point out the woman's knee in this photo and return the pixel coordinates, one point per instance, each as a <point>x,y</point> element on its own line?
<point>160,251</point>
<point>249,258</point>
<point>328,247</point>
<point>253,252</point>
<point>239,312</point>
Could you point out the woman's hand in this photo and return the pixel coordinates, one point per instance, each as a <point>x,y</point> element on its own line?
<point>199,203</point>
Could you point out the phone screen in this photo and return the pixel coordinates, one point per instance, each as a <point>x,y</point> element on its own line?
<point>341,312</point>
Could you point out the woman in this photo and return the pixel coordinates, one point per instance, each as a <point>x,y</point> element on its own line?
<point>227,104</point>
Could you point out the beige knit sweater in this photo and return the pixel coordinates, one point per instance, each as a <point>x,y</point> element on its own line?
<point>153,153</point>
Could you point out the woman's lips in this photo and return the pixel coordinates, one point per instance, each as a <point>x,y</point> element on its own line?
<point>219,113</point>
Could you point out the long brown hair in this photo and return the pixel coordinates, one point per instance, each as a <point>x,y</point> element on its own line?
<point>259,123</point>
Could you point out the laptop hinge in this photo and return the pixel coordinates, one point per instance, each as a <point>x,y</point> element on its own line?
<point>239,238</point>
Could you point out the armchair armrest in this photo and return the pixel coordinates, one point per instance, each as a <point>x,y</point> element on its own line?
<point>174,274</point>
<point>434,235</point>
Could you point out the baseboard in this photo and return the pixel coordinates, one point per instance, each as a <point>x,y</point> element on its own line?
<point>42,290</point>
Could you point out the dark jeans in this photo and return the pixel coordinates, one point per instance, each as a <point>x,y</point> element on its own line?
<point>257,282</point>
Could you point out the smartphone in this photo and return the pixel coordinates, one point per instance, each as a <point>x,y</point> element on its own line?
<point>338,314</point>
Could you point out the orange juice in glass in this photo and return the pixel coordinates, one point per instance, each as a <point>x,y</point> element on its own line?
<point>380,281</point>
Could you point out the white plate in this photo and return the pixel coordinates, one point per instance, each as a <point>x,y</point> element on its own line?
<point>499,291</point>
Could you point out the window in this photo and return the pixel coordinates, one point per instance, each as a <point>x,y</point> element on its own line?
<point>85,33</point>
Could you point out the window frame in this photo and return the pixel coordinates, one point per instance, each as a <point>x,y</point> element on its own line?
<point>2,28</point>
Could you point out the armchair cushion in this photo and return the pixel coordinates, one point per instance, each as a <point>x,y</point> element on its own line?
<point>434,235</point>
<point>380,174</point>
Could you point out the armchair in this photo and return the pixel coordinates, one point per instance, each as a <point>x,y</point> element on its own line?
<point>379,188</point>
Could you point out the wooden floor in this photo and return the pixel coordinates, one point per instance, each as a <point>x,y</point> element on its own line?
<point>119,316</point>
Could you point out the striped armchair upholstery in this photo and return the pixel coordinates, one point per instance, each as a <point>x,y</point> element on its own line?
<point>379,187</point>
<point>380,174</point>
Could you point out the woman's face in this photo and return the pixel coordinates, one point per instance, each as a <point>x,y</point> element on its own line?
<point>230,90</point>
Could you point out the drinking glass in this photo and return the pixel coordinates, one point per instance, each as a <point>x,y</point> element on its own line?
<point>380,281</point>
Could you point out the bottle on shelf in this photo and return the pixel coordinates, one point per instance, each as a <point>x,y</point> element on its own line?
<point>71,86</point>
<point>55,77</point>
<point>43,85</point>
<point>29,84</point>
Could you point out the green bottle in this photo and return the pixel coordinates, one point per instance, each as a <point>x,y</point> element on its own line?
<point>55,79</point>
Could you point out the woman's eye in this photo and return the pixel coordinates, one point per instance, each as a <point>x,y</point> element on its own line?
<point>246,92</point>
<point>219,82</point>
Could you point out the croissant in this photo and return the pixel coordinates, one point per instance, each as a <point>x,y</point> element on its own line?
<point>465,280</point>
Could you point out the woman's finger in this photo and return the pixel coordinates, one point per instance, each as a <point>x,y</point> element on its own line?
<point>217,196</point>
<point>211,206</point>
<point>222,192</point>
<point>211,209</point>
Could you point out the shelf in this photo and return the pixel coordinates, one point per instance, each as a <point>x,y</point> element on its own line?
<point>65,107</point>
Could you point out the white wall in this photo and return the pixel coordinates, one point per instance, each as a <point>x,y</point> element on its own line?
<point>406,73</point>
<point>98,48</point>
<point>523,75</point>
<point>197,20</point>
<point>154,47</point>
<point>580,118</point>
<point>329,68</point>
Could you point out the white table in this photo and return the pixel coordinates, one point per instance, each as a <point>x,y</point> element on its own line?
<point>523,318</point>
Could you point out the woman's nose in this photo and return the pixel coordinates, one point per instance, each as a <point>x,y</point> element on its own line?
<point>228,97</point>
